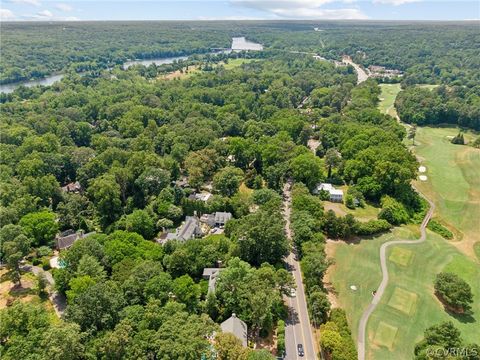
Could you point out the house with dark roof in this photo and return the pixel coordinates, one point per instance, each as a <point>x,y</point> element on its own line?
<point>67,238</point>
<point>217,219</point>
<point>237,327</point>
<point>190,229</point>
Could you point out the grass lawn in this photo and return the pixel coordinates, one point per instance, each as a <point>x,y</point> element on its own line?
<point>403,300</point>
<point>401,256</point>
<point>385,335</point>
<point>453,183</point>
<point>233,63</point>
<point>387,98</point>
<point>358,265</point>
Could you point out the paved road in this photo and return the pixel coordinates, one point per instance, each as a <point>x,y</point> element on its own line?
<point>381,289</point>
<point>298,329</point>
<point>58,300</point>
<point>361,74</point>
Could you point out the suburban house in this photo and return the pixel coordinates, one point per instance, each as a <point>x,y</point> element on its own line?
<point>201,196</point>
<point>336,195</point>
<point>236,327</point>
<point>73,187</point>
<point>211,274</point>
<point>190,229</point>
<point>218,219</point>
<point>67,238</point>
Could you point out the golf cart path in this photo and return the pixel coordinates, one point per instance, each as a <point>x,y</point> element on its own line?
<point>381,289</point>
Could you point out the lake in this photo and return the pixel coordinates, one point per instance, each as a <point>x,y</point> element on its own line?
<point>49,80</point>
<point>240,43</point>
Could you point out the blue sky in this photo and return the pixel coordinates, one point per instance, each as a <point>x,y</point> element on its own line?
<point>71,10</point>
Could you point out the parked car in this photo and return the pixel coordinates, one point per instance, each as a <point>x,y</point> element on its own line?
<point>293,293</point>
<point>300,350</point>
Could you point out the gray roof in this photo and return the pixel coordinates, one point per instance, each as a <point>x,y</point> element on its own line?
<point>67,238</point>
<point>211,274</point>
<point>222,217</point>
<point>188,230</point>
<point>237,327</point>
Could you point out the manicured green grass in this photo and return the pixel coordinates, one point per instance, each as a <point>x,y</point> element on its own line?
<point>401,256</point>
<point>385,335</point>
<point>387,98</point>
<point>454,185</point>
<point>453,173</point>
<point>403,300</point>
<point>359,265</point>
<point>233,63</point>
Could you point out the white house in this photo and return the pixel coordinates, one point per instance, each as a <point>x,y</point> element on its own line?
<point>336,195</point>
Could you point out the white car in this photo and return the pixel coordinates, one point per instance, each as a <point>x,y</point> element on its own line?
<point>293,293</point>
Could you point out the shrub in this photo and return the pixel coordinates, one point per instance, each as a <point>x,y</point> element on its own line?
<point>393,211</point>
<point>458,140</point>
<point>36,261</point>
<point>280,336</point>
<point>372,227</point>
<point>454,292</point>
<point>45,264</point>
<point>441,230</point>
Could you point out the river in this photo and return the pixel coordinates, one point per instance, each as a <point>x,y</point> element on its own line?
<point>238,43</point>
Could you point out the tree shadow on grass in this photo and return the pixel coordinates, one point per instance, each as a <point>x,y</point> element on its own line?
<point>465,318</point>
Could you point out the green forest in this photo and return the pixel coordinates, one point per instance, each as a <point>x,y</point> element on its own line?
<point>123,155</point>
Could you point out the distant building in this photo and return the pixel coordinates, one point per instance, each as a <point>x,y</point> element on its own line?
<point>190,229</point>
<point>217,219</point>
<point>336,195</point>
<point>211,274</point>
<point>202,196</point>
<point>236,327</point>
<point>73,187</point>
<point>67,238</point>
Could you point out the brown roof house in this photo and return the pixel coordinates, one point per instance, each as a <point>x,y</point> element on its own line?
<point>237,327</point>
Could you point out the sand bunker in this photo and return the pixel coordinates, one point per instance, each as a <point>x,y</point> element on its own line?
<point>422,178</point>
<point>422,169</point>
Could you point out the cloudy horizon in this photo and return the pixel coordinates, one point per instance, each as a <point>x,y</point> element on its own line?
<point>88,10</point>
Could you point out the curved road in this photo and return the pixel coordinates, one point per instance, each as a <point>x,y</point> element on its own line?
<point>381,289</point>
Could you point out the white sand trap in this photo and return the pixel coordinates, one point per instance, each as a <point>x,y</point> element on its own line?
<point>381,99</point>
<point>353,287</point>
<point>449,137</point>
<point>423,177</point>
<point>422,169</point>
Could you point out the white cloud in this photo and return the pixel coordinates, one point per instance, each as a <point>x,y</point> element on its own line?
<point>394,2</point>
<point>26,2</point>
<point>303,9</point>
<point>43,15</point>
<point>64,7</point>
<point>6,14</point>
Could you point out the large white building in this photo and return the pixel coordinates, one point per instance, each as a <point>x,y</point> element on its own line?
<point>336,195</point>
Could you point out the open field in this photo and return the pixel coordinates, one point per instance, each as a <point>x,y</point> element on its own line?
<point>359,264</point>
